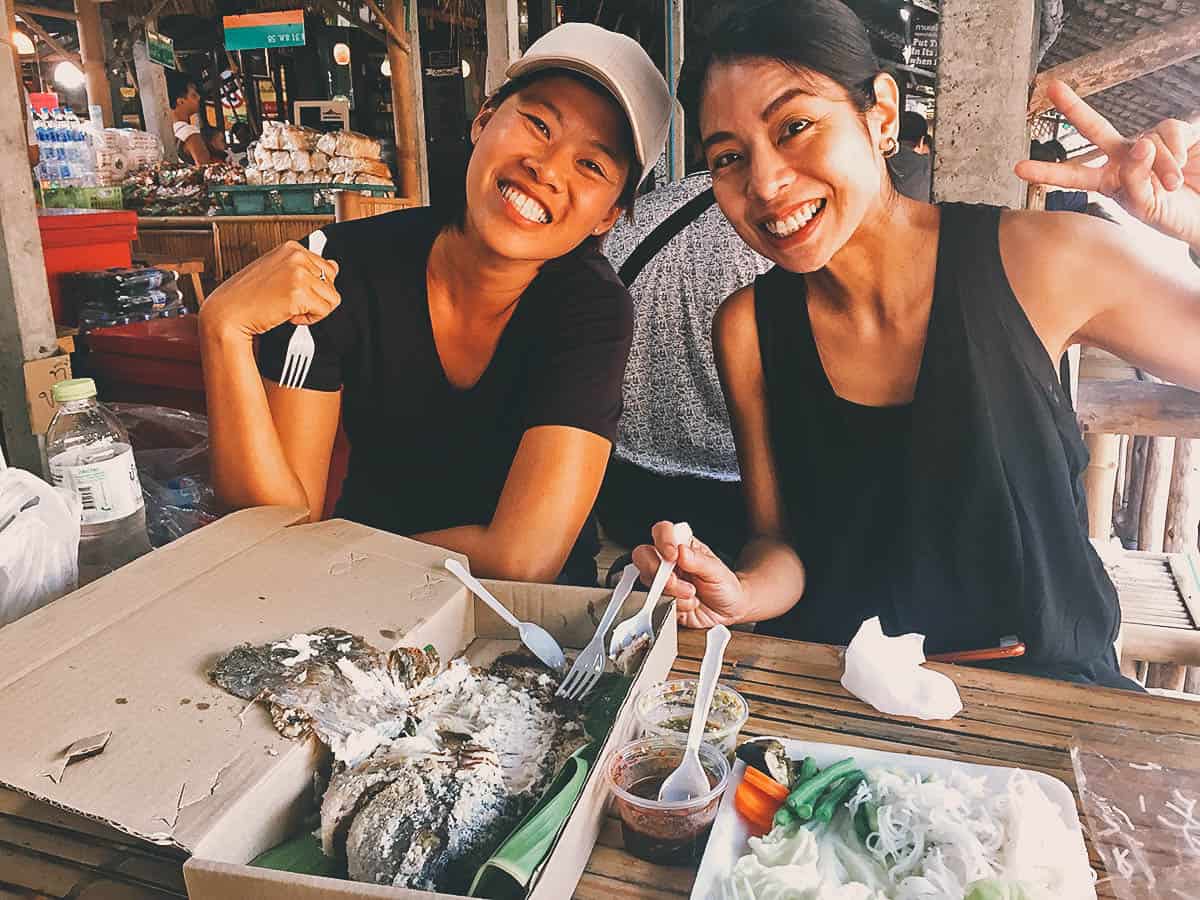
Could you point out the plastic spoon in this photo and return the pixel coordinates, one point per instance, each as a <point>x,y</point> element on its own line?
<point>689,781</point>
<point>536,638</point>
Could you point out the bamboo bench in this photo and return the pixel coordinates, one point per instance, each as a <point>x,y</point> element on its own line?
<point>1159,595</point>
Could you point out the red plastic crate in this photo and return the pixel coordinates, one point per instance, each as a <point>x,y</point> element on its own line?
<point>83,240</point>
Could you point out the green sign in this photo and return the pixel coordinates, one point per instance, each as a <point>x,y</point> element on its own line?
<point>162,49</point>
<point>258,31</point>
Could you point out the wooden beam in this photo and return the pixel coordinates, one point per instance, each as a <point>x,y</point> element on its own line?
<point>1138,407</point>
<point>46,11</point>
<point>503,41</point>
<point>335,9</point>
<point>51,42</point>
<point>1121,62</point>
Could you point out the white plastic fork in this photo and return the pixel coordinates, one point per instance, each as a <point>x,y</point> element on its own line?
<point>301,348</point>
<point>643,623</point>
<point>589,664</point>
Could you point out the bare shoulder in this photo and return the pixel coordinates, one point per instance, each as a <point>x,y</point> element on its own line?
<point>735,325</point>
<point>1062,267</point>
<point>1039,239</point>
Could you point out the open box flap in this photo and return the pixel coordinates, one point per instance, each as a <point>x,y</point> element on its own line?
<point>129,655</point>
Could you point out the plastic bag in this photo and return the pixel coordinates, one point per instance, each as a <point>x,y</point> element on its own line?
<point>170,447</point>
<point>1141,794</point>
<point>39,543</point>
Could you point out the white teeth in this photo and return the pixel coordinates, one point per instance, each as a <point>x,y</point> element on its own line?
<point>796,221</point>
<point>524,204</point>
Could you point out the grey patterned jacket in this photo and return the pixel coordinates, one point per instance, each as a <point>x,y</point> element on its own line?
<point>675,421</point>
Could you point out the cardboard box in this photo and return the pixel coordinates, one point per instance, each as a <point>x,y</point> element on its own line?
<point>191,766</point>
<point>40,376</point>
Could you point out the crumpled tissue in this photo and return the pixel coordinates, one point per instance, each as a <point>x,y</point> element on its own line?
<point>887,673</point>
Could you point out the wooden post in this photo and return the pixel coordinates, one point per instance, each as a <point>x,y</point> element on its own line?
<point>1183,501</point>
<point>1131,513</point>
<point>91,48</point>
<point>1100,482</point>
<point>503,41</point>
<point>676,137</point>
<point>408,104</point>
<point>1152,520</point>
<point>26,328</point>
<point>985,63</point>
<point>152,89</point>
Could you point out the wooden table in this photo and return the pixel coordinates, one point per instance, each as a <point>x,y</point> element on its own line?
<point>793,690</point>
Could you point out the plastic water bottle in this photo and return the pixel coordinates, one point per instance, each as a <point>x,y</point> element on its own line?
<point>88,452</point>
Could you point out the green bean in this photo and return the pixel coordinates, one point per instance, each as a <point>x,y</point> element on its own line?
<point>837,794</point>
<point>802,800</point>
<point>808,769</point>
<point>784,817</point>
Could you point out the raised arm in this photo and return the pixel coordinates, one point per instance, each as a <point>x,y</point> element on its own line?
<point>269,445</point>
<point>1083,280</point>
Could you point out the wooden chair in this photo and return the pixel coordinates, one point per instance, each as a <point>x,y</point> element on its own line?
<point>351,204</point>
<point>1160,605</point>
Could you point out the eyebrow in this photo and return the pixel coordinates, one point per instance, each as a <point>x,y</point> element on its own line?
<point>770,110</point>
<point>607,150</point>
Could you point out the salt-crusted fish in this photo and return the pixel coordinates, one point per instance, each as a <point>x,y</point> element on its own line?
<point>354,696</point>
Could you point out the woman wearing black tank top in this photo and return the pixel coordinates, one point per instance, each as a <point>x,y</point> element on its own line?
<point>906,448</point>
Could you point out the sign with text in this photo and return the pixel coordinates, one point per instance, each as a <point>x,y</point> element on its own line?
<point>161,49</point>
<point>924,45</point>
<point>269,30</point>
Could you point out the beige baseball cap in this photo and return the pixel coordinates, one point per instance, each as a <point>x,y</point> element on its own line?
<point>619,64</point>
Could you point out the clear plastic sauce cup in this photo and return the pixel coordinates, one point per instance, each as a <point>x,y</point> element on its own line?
<point>666,708</point>
<point>667,833</point>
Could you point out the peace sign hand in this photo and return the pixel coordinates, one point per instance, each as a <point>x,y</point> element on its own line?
<point>1155,176</point>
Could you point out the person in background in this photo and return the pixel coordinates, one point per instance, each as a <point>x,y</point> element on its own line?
<point>214,140</point>
<point>184,97</point>
<point>474,350</point>
<point>912,166</point>
<point>674,448</point>
<point>1057,201</point>
<point>907,450</point>
<point>243,137</point>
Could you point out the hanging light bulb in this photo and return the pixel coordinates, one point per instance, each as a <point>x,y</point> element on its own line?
<point>341,54</point>
<point>466,69</point>
<point>23,44</point>
<point>385,68</point>
<point>69,75</point>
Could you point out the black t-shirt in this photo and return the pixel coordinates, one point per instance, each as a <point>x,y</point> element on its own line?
<point>426,455</point>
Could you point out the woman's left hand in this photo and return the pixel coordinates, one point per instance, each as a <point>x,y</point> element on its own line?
<point>1154,176</point>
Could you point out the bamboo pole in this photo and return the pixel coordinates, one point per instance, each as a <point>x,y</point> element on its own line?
<point>1128,524</point>
<point>408,106</point>
<point>1183,499</point>
<point>1099,482</point>
<point>91,50</point>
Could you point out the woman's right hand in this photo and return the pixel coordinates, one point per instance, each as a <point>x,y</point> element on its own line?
<point>289,284</point>
<point>707,592</point>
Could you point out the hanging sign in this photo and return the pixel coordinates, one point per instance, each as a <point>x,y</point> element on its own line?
<point>257,31</point>
<point>161,49</point>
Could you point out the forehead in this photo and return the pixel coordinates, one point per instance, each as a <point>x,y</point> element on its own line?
<point>741,89</point>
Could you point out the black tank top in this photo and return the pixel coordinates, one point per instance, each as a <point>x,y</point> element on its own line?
<point>960,515</point>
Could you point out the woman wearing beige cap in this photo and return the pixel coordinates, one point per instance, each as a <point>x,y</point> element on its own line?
<point>475,354</point>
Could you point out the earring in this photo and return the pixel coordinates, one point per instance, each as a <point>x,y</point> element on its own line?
<point>890,147</point>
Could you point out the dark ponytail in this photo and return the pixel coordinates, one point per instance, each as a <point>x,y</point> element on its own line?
<point>823,36</point>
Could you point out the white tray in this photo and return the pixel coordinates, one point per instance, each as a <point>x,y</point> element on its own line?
<point>727,843</point>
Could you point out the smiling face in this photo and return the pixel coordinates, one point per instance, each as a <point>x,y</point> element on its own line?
<point>796,165</point>
<point>549,165</point>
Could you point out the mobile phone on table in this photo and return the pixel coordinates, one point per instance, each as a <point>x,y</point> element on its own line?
<point>1010,647</point>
